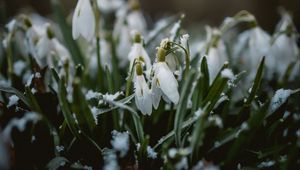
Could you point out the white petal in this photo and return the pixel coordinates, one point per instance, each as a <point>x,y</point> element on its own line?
<point>75,20</point>
<point>155,93</point>
<point>167,82</point>
<point>136,21</point>
<point>142,95</point>
<point>84,20</point>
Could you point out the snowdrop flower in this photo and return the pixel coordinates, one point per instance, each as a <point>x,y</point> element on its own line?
<point>284,49</point>
<point>109,5</point>
<point>251,46</point>
<point>83,20</point>
<point>124,46</point>
<point>216,53</point>
<point>48,47</point>
<point>32,36</point>
<point>138,52</point>
<point>164,83</point>
<point>135,18</point>
<point>143,98</point>
<point>171,59</point>
<point>130,16</point>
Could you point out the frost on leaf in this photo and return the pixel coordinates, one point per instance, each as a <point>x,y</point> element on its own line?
<point>20,124</point>
<point>13,100</point>
<point>279,98</point>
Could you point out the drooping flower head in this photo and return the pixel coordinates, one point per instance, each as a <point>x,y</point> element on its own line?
<point>138,51</point>
<point>164,83</point>
<point>143,98</point>
<point>83,23</point>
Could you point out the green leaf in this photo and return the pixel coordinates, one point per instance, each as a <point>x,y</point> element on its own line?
<point>246,136</point>
<point>62,93</point>
<point>33,104</point>
<point>16,92</point>
<point>215,90</point>
<point>81,109</point>
<point>181,109</point>
<point>256,83</point>
<point>136,118</point>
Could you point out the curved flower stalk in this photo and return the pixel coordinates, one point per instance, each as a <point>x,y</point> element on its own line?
<point>164,84</point>
<point>83,23</point>
<point>143,98</point>
<point>284,49</point>
<point>137,51</point>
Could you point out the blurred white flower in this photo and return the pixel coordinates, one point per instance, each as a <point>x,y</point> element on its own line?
<point>216,52</point>
<point>136,20</point>
<point>109,5</point>
<point>251,46</point>
<point>83,22</point>
<point>284,49</point>
<point>143,98</point>
<point>137,51</point>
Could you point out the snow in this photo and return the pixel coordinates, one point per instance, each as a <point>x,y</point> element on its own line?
<point>20,123</point>
<point>19,66</point>
<point>29,80</point>
<point>112,97</point>
<point>201,165</point>
<point>95,112</point>
<point>216,120</point>
<point>151,153</point>
<point>13,100</point>
<point>266,164</point>
<point>60,148</point>
<point>110,160</point>
<point>182,164</point>
<point>279,98</point>
<point>227,73</point>
<point>38,75</point>
<point>92,95</point>
<point>172,152</point>
<point>199,113</point>
<point>120,142</point>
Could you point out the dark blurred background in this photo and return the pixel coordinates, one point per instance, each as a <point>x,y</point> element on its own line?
<point>211,12</point>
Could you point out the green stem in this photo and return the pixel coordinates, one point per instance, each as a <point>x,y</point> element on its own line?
<point>187,58</point>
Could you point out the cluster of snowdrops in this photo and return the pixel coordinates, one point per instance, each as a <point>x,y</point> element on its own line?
<point>108,92</point>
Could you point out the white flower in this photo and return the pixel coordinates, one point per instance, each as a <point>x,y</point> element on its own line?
<point>215,51</point>
<point>164,80</point>
<point>124,45</point>
<point>137,50</point>
<point>284,50</point>
<point>83,20</point>
<point>251,46</point>
<point>136,20</point>
<point>109,5</point>
<point>143,98</point>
